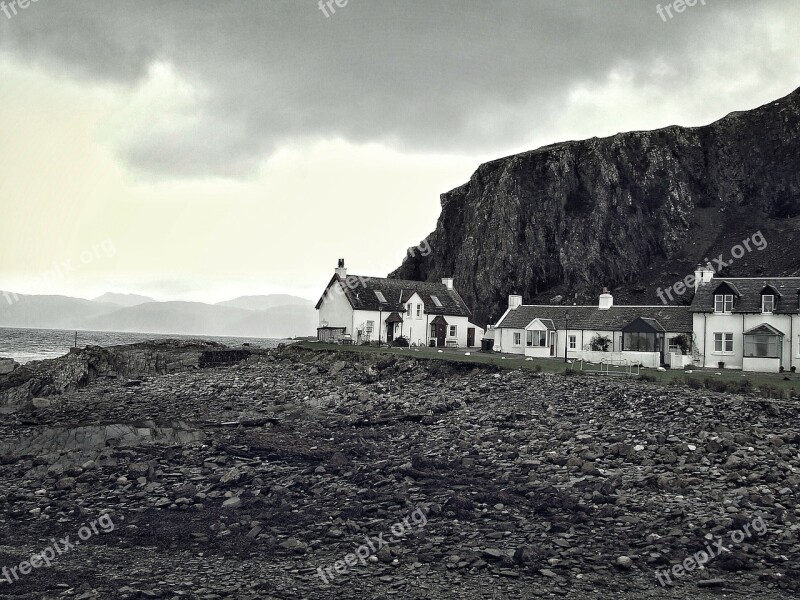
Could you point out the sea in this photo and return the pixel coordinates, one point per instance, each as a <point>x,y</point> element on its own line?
<point>25,345</point>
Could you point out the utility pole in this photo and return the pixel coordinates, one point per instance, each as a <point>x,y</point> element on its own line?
<point>566,335</point>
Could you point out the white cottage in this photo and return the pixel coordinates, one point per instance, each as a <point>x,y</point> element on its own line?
<point>748,323</point>
<point>361,309</point>
<point>648,335</point>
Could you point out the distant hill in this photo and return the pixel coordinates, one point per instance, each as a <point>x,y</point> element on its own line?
<point>265,302</point>
<point>50,312</point>
<point>284,316</point>
<point>123,299</point>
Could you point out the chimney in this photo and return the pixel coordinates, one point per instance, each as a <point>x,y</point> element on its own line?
<point>341,271</point>
<point>514,301</point>
<point>448,281</point>
<point>606,300</point>
<point>703,274</point>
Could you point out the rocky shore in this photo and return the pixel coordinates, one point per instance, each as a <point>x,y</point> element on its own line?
<point>240,474</point>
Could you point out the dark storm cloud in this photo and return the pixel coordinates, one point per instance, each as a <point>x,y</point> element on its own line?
<point>433,75</point>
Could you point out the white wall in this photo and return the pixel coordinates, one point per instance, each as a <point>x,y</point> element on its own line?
<point>707,324</point>
<point>336,310</point>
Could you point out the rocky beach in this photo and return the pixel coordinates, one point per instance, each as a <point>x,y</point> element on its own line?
<point>249,473</point>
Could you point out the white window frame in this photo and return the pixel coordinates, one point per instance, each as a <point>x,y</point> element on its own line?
<point>453,330</point>
<point>517,339</point>
<point>725,339</point>
<point>419,311</point>
<point>672,348</point>
<point>764,310</point>
<point>529,338</point>
<point>370,327</point>
<point>408,310</point>
<point>723,300</point>
<point>573,342</point>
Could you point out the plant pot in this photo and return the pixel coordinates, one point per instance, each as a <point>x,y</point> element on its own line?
<point>721,365</point>
<point>794,369</point>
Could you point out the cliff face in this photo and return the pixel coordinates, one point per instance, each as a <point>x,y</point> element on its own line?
<point>629,210</point>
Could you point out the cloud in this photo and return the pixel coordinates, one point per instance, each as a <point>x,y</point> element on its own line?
<point>216,88</point>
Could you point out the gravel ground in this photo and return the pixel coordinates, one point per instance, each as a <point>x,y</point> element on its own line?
<point>248,481</point>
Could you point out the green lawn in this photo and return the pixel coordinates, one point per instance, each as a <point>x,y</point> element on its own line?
<point>772,383</point>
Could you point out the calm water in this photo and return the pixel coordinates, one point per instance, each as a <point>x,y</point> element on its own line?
<point>24,345</point>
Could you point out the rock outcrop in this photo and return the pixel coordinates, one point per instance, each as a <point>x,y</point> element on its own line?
<point>41,379</point>
<point>578,216</point>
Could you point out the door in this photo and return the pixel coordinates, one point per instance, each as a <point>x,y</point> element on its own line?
<point>389,332</point>
<point>552,343</point>
<point>441,332</point>
<point>470,337</point>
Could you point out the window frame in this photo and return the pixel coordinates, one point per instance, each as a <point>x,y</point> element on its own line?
<point>771,343</point>
<point>542,338</point>
<point>725,338</point>
<point>764,297</point>
<point>725,300</point>
<point>572,341</point>
<point>517,337</point>
<point>419,311</point>
<point>453,331</point>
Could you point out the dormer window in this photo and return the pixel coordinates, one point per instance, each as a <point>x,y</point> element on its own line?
<point>767,304</point>
<point>723,303</point>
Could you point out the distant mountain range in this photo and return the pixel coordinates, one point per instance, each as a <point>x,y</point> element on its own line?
<point>275,315</point>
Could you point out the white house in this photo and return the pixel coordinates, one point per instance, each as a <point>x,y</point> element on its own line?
<point>748,323</point>
<point>643,334</point>
<point>360,309</point>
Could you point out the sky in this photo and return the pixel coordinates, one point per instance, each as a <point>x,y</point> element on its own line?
<point>196,150</point>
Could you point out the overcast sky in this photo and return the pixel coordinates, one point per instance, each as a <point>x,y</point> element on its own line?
<point>200,150</point>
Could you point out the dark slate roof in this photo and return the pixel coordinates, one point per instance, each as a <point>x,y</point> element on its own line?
<point>764,329</point>
<point>671,318</point>
<point>397,292</point>
<point>749,299</point>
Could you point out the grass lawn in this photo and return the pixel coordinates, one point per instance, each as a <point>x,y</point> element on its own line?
<point>772,384</point>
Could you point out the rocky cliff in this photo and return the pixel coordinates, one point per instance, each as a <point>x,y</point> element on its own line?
<point>634,211</point>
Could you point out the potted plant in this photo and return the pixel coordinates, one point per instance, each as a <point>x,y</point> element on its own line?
<point>721,364</point>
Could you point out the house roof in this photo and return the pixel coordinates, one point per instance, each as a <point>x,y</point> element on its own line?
<point>644,325</point>
<point>764,329</point>
<point>670,318</point>
<point>361,293</point>
<point>750,288</point>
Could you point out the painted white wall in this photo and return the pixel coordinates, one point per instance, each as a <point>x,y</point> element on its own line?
<point>336,311</point>
<point>707,324</point>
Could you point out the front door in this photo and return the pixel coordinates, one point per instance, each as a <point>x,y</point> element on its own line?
<point>389,332</point>
<point>552,343</point>
<point>470,337</point>
<point>441,332</point>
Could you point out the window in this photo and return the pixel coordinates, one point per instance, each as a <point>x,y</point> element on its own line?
<point>419,311</point>
<point>370,326</point>
<point>762,346</point>
<point>723,343</point>
<point>436,301</point>
<point>381,297</point>
<point>767,304</point>
<point>723,303</point>
<point>518,339</point>
<point>408,310</point>
<point>453,330</point>
<point>537,338</point>
<point>636,341</point>
<point>573,342</point>
<point>433,331</point>
<point>673,347</point>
